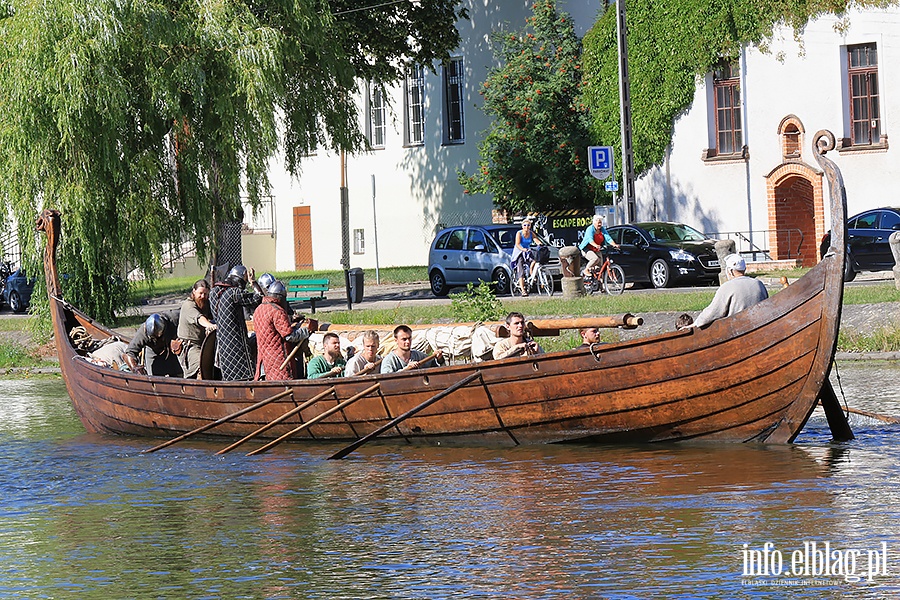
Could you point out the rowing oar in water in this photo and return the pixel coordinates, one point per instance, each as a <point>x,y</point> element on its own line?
<point>316,419</point>
<point>278,420</point>
<point>243,411</point>
<point>394,422</point>
<point>871,415</point>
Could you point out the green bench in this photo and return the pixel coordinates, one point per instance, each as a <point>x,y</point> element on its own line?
<point>306,290</point>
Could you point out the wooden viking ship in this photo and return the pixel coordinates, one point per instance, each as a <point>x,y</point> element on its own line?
<point>752,377</point>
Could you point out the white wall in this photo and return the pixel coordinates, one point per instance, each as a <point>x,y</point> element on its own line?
<point>417,187</point>
<point>806,81</point>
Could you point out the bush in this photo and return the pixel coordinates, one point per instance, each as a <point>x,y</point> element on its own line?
<point>476,304</point>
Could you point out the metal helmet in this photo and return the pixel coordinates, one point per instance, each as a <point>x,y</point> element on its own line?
<point>265,280</point>
<point>238,272</point>
<point>276,290</point>
<point>155,326</point>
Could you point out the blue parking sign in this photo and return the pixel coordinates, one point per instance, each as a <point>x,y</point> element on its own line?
<point>600,161</point>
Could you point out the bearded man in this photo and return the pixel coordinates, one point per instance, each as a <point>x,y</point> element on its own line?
<point>194,323</point>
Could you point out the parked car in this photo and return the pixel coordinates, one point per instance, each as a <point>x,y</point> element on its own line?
<point>868,247</point>
<point>468,253</point>
<point>17,291</point>
<point>664,254</point>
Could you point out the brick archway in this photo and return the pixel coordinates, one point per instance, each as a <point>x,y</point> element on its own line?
<point>796,212</point>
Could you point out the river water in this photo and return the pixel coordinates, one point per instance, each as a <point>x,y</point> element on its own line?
<point>88,516</point>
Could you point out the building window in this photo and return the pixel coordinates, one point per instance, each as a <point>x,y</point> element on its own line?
<point>727,94</point>
<point>865,116</point>
<point>453,102</point>
<point>376,123</point>
<point>414,107</point>
<point>359,241</point>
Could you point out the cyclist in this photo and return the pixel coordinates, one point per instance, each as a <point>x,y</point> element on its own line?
<point>522,255</point>
<point>593,241</point>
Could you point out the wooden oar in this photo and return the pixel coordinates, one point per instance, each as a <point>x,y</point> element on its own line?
<point>551,327</point>
<point>427,359</point>
<point>316,419</point>
<point>268,426</point>
<point>871,415</point>
<point>243,411</point>
<point>290,356</point>
<point>368,368</point>
<point>837,420</point>
<point>394,422</point>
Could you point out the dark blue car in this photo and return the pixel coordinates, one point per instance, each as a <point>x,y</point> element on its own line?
<point>17,291</point>
<point>868,244</point>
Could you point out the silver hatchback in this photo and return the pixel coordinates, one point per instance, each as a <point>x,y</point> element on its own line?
<point>469,253</point>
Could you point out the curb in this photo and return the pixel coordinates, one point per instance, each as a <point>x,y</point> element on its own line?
<point>856,356</point>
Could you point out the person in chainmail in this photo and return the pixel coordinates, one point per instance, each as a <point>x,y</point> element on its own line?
<point>235,350</point>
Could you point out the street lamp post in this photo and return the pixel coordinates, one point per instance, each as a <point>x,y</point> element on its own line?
<point>625,114</point>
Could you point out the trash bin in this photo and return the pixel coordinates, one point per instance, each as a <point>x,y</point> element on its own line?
<point>356,285</point>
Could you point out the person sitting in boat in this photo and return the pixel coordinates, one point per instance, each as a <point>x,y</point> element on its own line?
<point>235,350</point>
<point>404,357</point>
<point>275,336</point>
<point>589,336</point>
<point>518,343</point>
<point>157,339</point>
<point>329,364</point>
<point>523,261</point>
<point>738,293</point>
<point>194,323</point>
<point>595,237</point>
<point>367,359</point>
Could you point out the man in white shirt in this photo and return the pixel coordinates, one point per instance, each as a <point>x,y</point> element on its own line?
<point>738,293</point>
<point>367,358</point>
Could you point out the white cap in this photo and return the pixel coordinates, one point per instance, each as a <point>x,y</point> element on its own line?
<point>735,262</point>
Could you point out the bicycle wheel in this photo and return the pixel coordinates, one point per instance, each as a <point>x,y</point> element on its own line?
<point>544,282</point>
<point>614,280</point>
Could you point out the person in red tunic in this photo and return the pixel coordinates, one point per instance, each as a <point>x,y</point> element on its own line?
<point>275,336</point>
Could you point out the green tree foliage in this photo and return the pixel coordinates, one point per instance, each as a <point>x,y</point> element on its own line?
<point>534,156</point>
<point>670,44</point>
<point>145,122</point>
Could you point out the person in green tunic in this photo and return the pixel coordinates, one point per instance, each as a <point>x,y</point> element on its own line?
<point>329,364</point>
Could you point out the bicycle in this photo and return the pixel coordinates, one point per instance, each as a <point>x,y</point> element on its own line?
<point>539,279</point>
<point>608,278</point>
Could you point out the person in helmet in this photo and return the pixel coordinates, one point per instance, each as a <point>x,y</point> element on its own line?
<point>235,350</point>
<point>156,339</point>
<point>276,337</point>
<point>264,281</point>
<point>194,323</point>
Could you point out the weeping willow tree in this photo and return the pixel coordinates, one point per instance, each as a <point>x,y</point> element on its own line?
<point>145,122</point>
<point>670,44</point>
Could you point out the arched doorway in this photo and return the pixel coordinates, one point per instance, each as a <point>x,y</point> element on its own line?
<point>796,211</point>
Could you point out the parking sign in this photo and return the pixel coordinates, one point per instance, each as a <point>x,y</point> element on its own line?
<point>600,161</point>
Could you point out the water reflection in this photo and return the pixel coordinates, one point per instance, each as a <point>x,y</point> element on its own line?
<point>89,516</point>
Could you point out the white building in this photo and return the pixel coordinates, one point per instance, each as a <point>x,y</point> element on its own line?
<point>741,158</point>
<point>427,130</point>
<point>753,175</point>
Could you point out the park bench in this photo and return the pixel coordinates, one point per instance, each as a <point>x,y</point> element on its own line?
<point>303,290</point>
